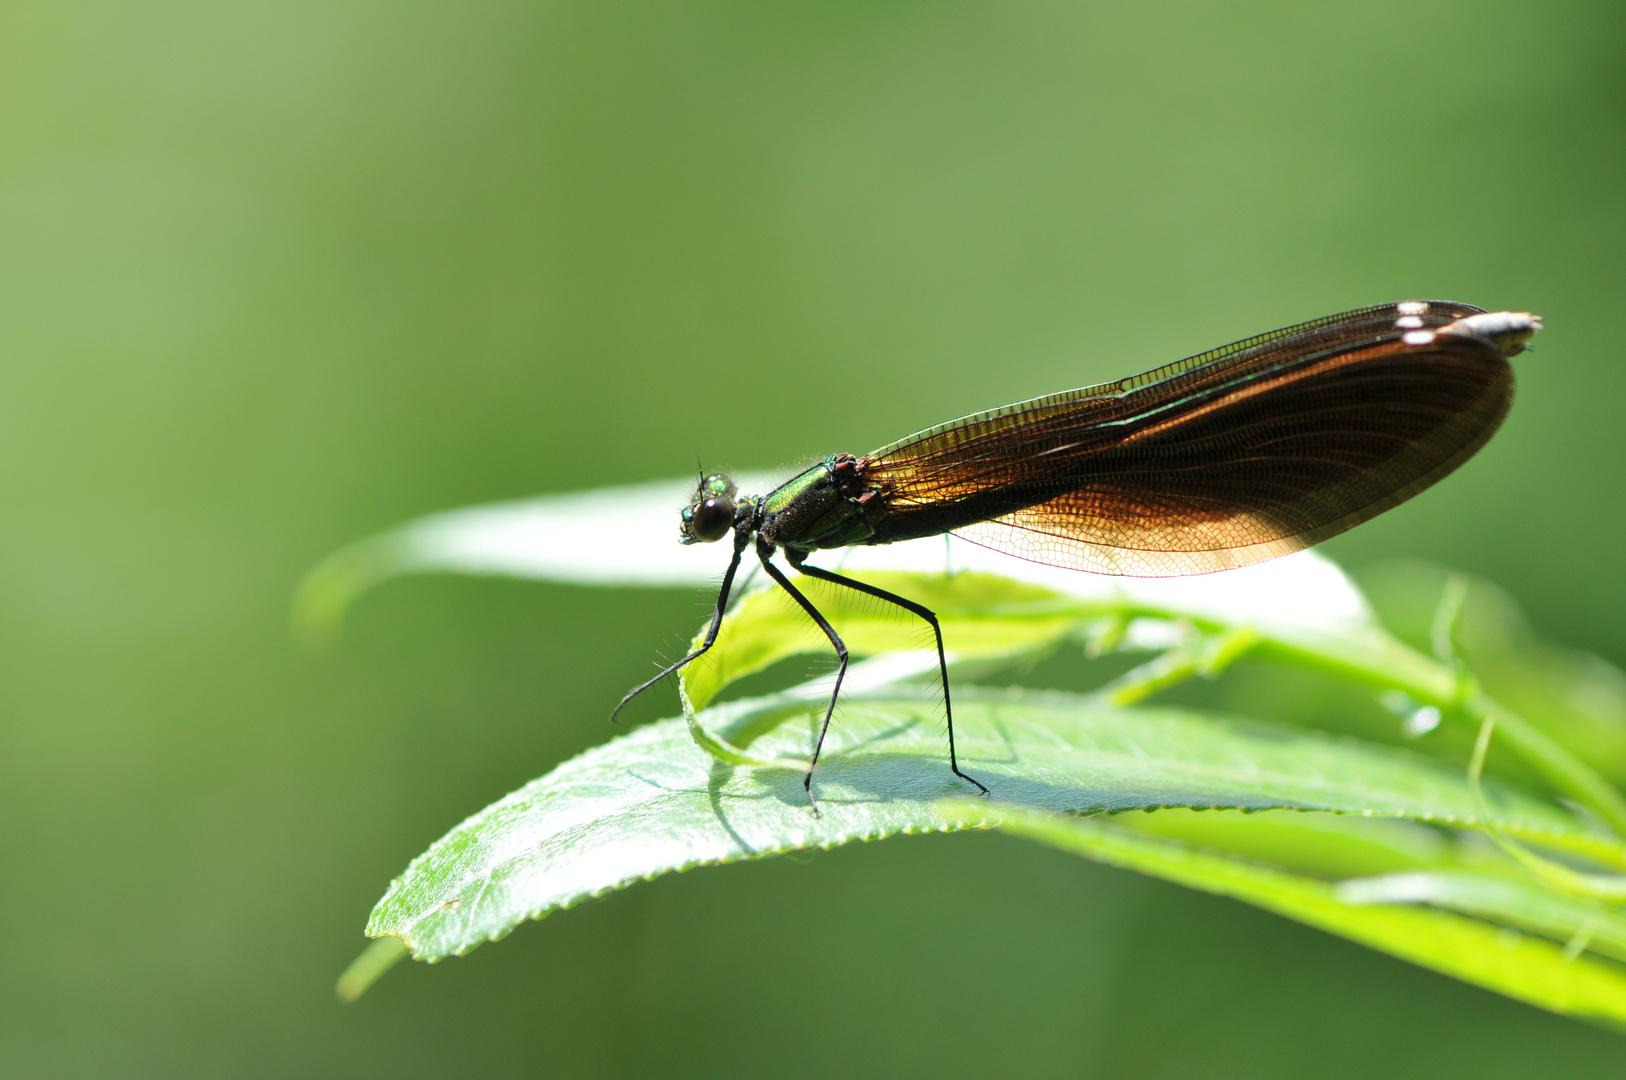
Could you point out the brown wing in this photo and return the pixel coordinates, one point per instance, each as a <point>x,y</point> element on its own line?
<point>1230,458</point>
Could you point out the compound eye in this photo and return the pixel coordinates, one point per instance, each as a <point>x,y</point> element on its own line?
<point>713,518</point>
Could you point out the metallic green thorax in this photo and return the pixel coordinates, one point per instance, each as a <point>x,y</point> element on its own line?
<point>820,508</point>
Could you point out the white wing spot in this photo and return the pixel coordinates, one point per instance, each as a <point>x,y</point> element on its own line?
<point>1408,322</point>
<point>1413,307</point>
<point>1419,337</point>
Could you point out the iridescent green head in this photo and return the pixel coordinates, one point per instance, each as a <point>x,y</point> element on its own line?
<point>709,517</point>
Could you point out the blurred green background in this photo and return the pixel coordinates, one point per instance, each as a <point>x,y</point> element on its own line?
<point>273,277</point>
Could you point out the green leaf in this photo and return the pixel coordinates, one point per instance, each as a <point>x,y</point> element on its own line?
<point>1330,845</point>
<point>651,802</point>
<point>1510,899</point>
<point>1529,969</point>
<point>724,783</point>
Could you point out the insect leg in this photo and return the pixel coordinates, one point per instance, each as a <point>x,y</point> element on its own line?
<point>740,540</point>
<point>764,552</point>
<point>908,605</point>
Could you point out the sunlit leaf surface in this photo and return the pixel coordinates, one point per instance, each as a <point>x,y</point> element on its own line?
<point>1513,900</point>
<point>1381,845</point>
<point>651,802</point>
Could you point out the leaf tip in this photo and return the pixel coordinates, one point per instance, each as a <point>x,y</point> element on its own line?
<point>366,969</point>
<point>324,596</point>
